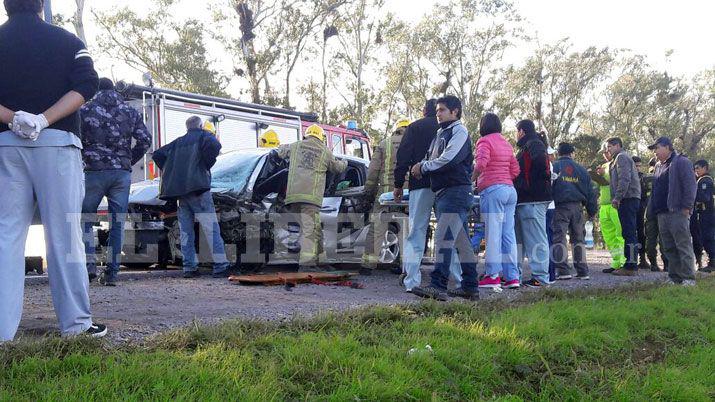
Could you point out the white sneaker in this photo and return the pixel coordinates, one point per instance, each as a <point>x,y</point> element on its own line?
<point>688,283</point>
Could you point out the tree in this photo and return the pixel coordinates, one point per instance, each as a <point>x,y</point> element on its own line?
<point>557,87</point>
<point>174,53</point>
<point>359,37</point>
<point>257,43</point>
<point>77,20</point>
<point>304,21</point>
<point>465,42</point>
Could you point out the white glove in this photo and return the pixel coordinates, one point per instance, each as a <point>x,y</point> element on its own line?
<point>28,125</point>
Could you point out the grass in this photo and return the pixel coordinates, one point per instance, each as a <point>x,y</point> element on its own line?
<point>638,343</point>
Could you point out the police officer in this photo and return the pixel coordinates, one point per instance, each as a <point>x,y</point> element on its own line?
<point>108,127</point>
<point>702,221</point>
<point>380,179</point>
<point>309,161</point>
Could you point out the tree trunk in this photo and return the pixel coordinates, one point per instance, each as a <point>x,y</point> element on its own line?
<point>323,111</point>
<point>78,21</point>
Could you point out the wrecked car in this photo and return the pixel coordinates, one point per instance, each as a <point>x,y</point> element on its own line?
<point>248,188</point>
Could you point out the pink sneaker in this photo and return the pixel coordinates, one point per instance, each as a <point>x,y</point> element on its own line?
<point>512,284</point>
<point>489,282</point>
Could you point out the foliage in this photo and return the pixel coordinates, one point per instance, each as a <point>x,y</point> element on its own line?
<point>173,52</point>
<point>637,343</point>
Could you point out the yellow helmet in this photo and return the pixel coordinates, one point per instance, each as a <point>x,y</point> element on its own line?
<point>269,139</point>
<point>401,123</point>
<point>315,131</point>
<point>208,126</point>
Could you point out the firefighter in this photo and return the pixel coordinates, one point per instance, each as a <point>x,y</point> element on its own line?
<point>309,161</point>
<point>269,139</point>
<point>380,179</point>
<point>703,219</point>
<point>208,126</point>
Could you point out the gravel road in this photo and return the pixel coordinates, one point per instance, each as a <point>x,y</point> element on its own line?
<point>146,303</point>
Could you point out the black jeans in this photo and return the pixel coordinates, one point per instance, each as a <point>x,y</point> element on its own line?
<point>628,215</point>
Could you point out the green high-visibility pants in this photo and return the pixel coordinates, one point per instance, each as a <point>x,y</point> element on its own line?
<point>612,235</point>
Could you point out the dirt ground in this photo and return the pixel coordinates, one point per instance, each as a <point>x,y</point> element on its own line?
<point>149,302</point>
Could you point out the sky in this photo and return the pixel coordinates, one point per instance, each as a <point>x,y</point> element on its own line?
<point>646,27</point>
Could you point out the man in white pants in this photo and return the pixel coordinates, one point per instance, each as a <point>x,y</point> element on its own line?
<point>46,74</point>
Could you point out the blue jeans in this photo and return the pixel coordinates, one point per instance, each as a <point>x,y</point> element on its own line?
<point>628,215</point>
<point>530,228</point>
<point>420,211</point>
<point>498,206</point>
<point>113,184</point>
<point>193,208</point>
<point>550,235</point>
<point>452,207</point>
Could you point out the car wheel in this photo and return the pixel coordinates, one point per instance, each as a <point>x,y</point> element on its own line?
<point>391,248</point>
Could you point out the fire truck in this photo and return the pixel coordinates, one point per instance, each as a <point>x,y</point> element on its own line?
<point>238,124</point>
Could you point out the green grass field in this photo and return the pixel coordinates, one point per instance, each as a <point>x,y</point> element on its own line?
<point>638,343</point>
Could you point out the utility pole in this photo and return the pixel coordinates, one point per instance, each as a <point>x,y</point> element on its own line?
<point>48,11</point>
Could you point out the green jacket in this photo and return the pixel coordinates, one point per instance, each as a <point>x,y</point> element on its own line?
<point>310,160</point>
<point>380,173</point>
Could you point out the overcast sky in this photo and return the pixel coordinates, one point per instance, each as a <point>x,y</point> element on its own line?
<point>646,27</point>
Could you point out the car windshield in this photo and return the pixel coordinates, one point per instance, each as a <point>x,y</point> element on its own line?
<point>233,170</point>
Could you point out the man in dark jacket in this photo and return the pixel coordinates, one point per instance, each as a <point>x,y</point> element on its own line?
<point>413,148</point>
<point>186,176</point>
<point>46,74</point>
<point>449,168</point>
<point>672,202</point>
<point>533,190</point>
<point>625,197</point>
<point>702,223</point>
<point>572,190</point>
<point>108,127</point>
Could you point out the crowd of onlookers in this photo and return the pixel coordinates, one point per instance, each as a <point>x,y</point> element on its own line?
<point>535,202</point>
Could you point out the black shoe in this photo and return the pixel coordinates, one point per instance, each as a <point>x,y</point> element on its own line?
<point>644,265</point>
<point>534,283</point>
<point>430,292</point>
<point>92,276</point>
<point>192,274</point>
<point>583,277</point>
<point>564,277</point>
<point>608,270</point>
<point>107,280</point>
<point>365,271</point>
<point>96,330</point>
<point>460,292</point>
<point>223,274</point>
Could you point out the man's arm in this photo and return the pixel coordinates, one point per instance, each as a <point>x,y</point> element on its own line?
<point>210,148</point>
<point>687,182</point>
<point>454,151</point>
<point>6,115</point>
<point>624,176</point>
<point>142,137</point>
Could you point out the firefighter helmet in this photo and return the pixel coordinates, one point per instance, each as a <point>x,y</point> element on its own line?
<point>269,139</point>
<point>315,131</point>
<point>208,126</point>
<point>401,123</point>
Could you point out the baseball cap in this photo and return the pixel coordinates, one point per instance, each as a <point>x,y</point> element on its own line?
<point>662,141</point>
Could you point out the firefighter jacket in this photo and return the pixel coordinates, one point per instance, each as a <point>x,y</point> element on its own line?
<point>704,195</point>
<point>309,160</point>
<point>381,172</point>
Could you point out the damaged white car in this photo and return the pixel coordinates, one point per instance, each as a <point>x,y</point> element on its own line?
<point>248,188</point>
